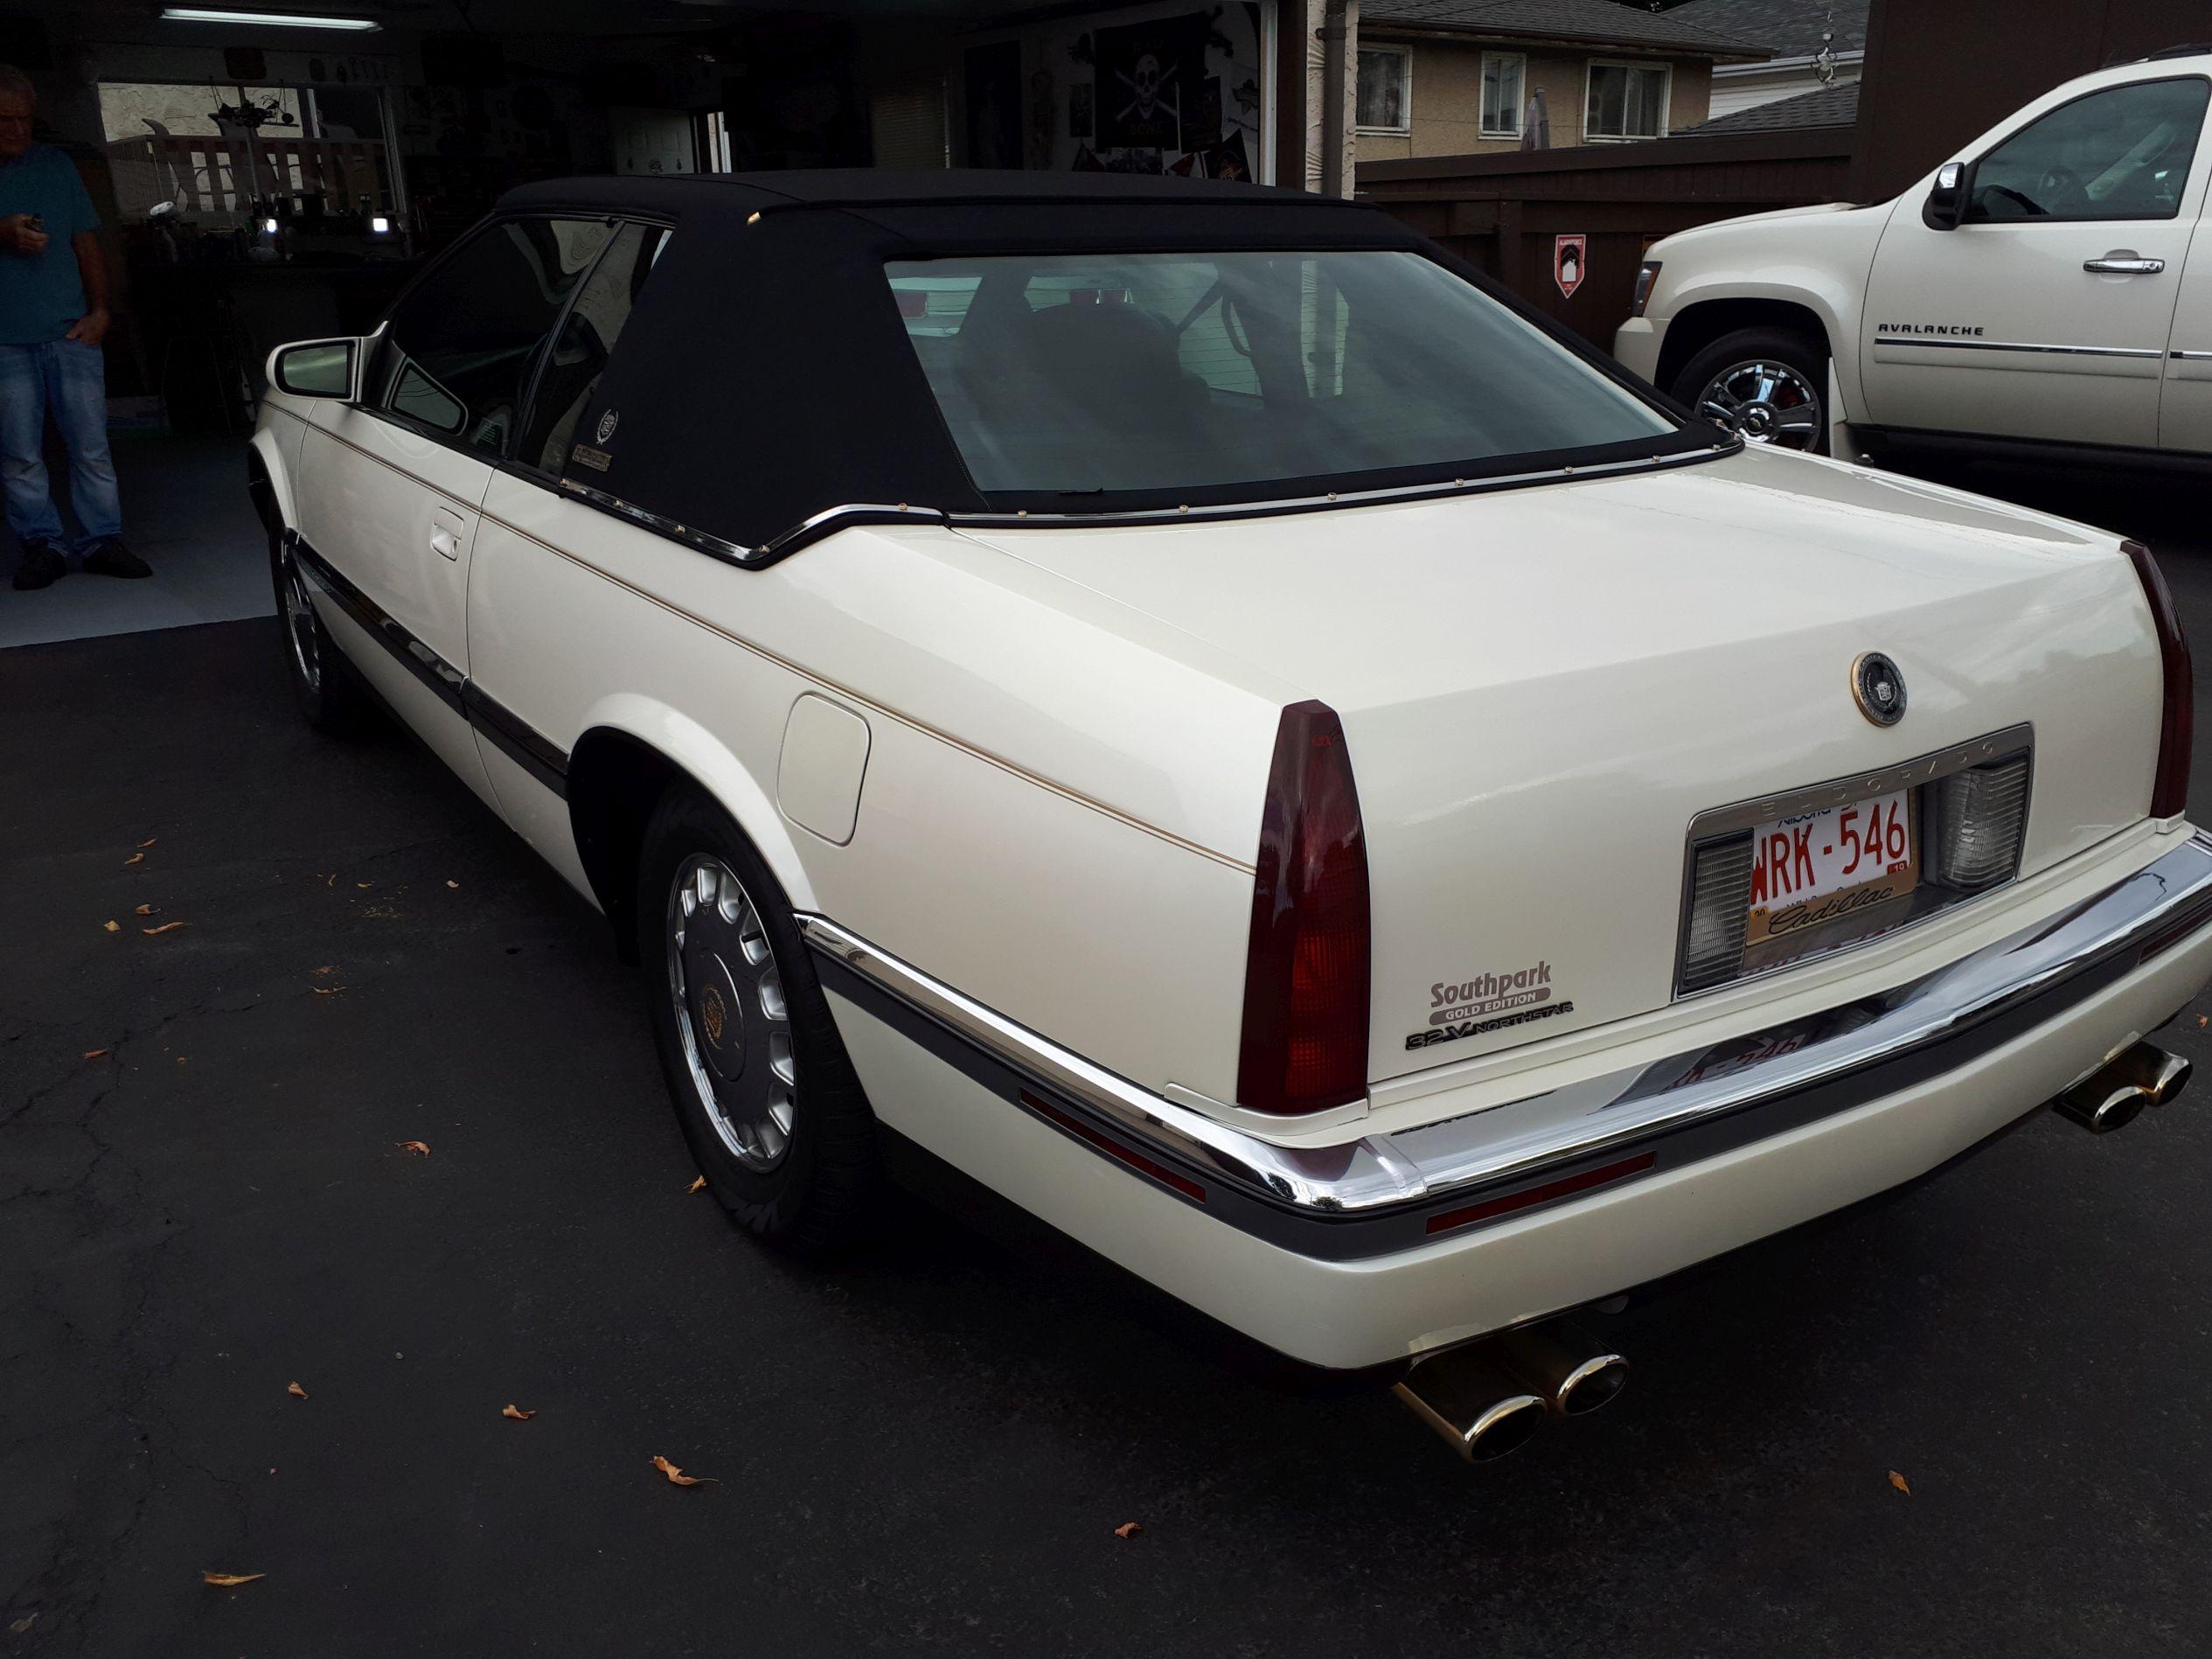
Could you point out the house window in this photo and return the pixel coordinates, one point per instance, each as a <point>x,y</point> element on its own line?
<point>1385,102</point>
<point>1504,75</point>
<point>1625,100</point>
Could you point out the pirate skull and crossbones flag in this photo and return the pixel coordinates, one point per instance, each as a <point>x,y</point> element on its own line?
<point>1151,82</point>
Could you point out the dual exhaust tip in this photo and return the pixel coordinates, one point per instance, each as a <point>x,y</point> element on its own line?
<point>2111,1097</point>
<point>1488,1397</point>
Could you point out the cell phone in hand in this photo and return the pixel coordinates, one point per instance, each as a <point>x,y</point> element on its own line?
<point>38,222</point>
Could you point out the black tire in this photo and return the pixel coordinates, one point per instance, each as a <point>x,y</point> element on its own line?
<point>821,1190</point>
<point>1803,355</point>
<point>323,681</point>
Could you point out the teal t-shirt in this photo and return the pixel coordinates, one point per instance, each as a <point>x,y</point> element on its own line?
<point>41,294</point>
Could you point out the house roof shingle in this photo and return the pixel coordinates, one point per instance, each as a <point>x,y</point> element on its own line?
<point>1823,107</point>
<point>1787,28</point>
<point>1586,22</point>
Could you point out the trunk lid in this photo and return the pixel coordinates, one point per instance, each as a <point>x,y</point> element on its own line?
<point>1541,687</point>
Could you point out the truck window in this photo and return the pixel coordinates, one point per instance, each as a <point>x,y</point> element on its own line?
<point>2122,153</point>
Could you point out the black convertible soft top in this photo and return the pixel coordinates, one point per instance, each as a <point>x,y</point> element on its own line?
<point>765,378</point>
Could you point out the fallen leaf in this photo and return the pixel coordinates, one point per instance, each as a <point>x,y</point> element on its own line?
<point>364,884</point>
<point>696,1185</point>
<point>453,884</point>
<point>133,859</point>
<point>1900,1482</point>
<point>295,1390</point>
<point>94,1054</point>
<point>113,927</point>
<point>327,990</point>
<point>1128,1529</point>
<point>318,971</point>
<point>149,841</point>
<point>166,927</point>
<point>228,1580</point>
<point>516,1412</point>
<point>144,910</point>
<point>2202,1021</point>
<point>23,1624</point>
<point>677,1477</point>
<point>421,1148</point>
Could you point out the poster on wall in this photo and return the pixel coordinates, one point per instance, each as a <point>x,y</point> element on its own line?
<point>993,88</point>
<point>1151,82</point>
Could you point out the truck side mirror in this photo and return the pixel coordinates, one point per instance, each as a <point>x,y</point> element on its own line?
<point>318,368</point>
<point>1945,208</point>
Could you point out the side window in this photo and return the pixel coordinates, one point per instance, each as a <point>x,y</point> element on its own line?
<point>456,357</point>
<point>579,357</point>
<point>2122,153</point>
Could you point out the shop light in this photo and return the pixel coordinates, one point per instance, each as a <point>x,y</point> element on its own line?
<point>379,226</point>
<point>269,225</point>
<point>265,19</point>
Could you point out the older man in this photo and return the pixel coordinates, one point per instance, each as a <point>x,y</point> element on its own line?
<point>53,312</point>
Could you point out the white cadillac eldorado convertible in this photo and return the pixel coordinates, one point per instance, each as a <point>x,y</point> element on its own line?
<point>1187,705</point>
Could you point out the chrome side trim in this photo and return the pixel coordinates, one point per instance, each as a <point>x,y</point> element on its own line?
<point>1513,1155</point>
<point>2022,345</point>
<point>831,519</point>
<point>1029,521</point>
<point>2192,356</point>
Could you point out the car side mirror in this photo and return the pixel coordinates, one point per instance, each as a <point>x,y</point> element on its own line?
<point>318,368</point>
<point>1945,208</point>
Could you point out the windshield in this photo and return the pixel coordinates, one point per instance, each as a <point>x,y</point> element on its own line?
<point>1082,375</point>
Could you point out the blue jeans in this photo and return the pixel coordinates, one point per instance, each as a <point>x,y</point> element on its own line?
<point>66,376</point>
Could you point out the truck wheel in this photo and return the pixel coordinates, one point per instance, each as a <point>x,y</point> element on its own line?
<point>767,1097</point>
<point>321,681</point>
<point>1765,384</point>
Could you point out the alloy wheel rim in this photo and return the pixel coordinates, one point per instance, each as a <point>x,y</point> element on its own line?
<point>731,1014</point>
<point>1763,402</point>
<point>299,621</point>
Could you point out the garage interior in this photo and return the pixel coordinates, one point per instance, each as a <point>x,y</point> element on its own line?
<point>263,183</point>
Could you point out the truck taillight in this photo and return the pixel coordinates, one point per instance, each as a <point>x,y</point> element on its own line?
<point>1305,1046</point>
<point>2170,789</point>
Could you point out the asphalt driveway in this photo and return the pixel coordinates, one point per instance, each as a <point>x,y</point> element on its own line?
<point>205,1197</point>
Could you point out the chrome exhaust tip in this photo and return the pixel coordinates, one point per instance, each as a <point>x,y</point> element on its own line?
<point>1573,1373</point>
<point>1470,1399</point>
<point>2152,1069</point>
<point>2101,1104</point>
<point>2111,1097</point>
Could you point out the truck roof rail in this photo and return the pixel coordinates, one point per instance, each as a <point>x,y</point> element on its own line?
<point>2192,49</point>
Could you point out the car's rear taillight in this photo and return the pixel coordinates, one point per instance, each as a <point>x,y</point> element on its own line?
<point>1304,1045</point>
<point>2170,790</point>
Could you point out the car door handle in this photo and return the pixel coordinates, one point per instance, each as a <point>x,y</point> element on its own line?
<point>2124,262</point>
<point>443,544</point>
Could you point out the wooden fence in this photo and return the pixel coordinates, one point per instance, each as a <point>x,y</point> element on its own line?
<point>1505,213</point>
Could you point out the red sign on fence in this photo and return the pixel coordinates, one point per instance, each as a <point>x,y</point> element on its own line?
<point>1569,258</point>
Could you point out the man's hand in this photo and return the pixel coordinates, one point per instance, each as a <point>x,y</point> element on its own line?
<point>19,235</point>
<point>91,328</point>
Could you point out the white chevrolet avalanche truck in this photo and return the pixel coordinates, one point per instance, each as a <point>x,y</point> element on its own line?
<point>2038,289</point>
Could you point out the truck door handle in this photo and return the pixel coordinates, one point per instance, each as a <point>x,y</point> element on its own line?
<point>443,544</point>
<point>2124,262</point>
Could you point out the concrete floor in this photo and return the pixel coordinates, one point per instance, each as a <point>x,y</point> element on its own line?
<point>927,1450</point>
<point>185,513</point>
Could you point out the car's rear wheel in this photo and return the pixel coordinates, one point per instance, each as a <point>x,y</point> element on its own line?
<point>323,685</point>
<point>1765,384</point>
<point>767,1097</point>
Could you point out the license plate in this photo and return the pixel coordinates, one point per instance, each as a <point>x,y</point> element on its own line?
<point>1825,866</point>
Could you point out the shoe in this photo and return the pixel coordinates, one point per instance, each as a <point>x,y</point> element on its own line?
<point>42,566</point>
<point>109,557</point>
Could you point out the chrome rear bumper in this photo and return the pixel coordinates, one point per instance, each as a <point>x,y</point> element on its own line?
<point>1383,1193</point>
